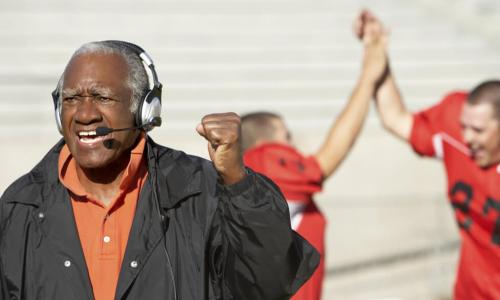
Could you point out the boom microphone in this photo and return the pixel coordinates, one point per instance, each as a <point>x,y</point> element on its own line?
<point>100,131</point>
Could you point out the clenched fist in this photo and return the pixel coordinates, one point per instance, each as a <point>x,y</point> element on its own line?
<point>223,131</point>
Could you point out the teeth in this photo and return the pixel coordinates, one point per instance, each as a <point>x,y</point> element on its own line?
<point>87,133</point>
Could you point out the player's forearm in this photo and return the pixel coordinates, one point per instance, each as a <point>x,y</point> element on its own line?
<point>392,111</point>
<point>346,128</point>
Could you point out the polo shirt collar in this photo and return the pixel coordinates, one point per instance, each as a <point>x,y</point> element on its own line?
<point>69,178</point>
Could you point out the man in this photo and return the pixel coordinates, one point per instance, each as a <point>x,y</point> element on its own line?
<point>464,131</point>
<point>109,214</point>
<point>269,150</point>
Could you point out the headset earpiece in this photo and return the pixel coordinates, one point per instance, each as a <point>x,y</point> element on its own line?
<point>149,109</point>
<point>57,108</point>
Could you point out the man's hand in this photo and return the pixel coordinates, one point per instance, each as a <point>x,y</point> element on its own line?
<point>223,133</point>
<point>393,113</point>
<point>372,33</point>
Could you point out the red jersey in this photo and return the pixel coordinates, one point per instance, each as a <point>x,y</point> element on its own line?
<point>474,193</point>
<point>298,177</point>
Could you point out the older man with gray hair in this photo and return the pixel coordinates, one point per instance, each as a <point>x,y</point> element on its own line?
<point>110,214</point>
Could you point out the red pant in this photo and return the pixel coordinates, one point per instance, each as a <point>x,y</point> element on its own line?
<point>312,228</point>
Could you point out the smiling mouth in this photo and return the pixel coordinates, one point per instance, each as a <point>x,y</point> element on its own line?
<point>477,152</point>
<point>89,137</point>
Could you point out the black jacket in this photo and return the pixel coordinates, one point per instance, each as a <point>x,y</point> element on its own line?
<point>191,238</point>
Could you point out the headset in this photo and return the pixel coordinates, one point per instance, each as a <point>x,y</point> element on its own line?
<point>148,114</point>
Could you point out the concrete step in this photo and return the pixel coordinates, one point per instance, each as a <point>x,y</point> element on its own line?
<point>304,73</point>
<point>22,59</point>
<point>188,100</point>
<point>190,6</point>
<point>150,41</point>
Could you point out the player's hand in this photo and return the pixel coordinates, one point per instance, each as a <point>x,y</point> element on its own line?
<point>360,22</point>
<point>374,36</point>
<point>223,131</point>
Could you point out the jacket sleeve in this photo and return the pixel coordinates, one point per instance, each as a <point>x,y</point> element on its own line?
<point>4,290</point>
<point>253,252</point>
<point>3,284</point>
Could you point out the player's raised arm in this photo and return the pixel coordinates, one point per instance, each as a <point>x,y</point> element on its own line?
<point>347,126</point>
<point>389,101</point>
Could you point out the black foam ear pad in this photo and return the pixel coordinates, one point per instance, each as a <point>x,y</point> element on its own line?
<point>57,109</point>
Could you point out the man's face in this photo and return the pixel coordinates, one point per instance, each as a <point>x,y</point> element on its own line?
<point>481,133</point>
<point>95,93</point>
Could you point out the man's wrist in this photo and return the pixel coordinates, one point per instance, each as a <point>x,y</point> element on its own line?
<point>366,83</point>
<point>234,177</point>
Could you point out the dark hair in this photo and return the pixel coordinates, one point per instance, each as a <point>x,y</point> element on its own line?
<point>257,126</point>
<point>487,92</point>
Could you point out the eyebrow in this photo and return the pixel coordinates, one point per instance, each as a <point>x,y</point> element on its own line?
<point>70,92</point>
<point>94,90</point>
<point>474,127</point>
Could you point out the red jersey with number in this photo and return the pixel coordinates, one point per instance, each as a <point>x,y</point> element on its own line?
<point>298,177</point>
<point>474,193</point>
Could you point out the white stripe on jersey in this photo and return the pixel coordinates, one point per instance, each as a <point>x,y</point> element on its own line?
<point>296,209</point>
<point>439,138</point>
<point>437,143</point>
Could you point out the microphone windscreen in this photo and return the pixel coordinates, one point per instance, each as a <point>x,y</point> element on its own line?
<point>156,121</point>
<point>100,131</point>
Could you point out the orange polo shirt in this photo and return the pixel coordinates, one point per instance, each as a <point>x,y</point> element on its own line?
<point>104,230</point>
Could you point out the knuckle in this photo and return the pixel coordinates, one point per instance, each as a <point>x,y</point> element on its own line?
<point>205,118</point>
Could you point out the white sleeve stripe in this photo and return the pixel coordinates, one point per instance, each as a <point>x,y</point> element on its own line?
<point>440,138</point>
<point>437,143</point>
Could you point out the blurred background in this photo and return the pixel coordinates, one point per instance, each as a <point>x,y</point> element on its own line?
<point>391,232</point>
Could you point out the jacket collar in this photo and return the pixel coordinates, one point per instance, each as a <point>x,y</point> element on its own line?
<point>43,175</point>
<point>175,173</point>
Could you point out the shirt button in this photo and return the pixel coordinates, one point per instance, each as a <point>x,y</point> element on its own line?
<point>133,264</point>
<point>67,263</point>
<point>41,215</point>
<point>107,239</point>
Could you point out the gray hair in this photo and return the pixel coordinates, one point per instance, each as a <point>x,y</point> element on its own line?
<point>137,81</point>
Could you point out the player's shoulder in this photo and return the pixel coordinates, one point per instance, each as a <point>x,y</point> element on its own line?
<point>270,153</point>
<point>454,99</point>
<point>448,109</point>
